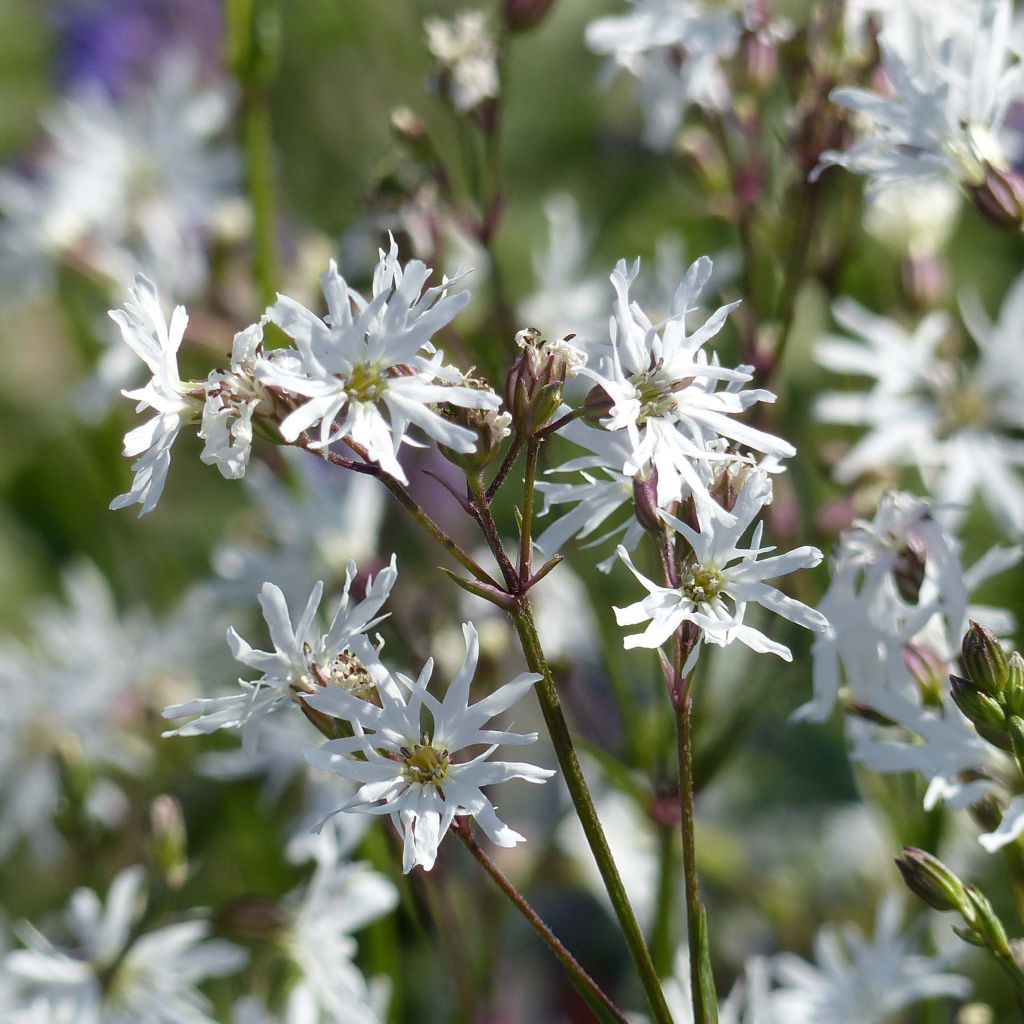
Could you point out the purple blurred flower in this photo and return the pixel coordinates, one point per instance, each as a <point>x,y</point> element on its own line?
<point>113,42</point>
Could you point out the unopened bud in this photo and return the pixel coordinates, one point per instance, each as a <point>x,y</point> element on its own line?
<point>645,501</point>
<point>986,813</point>
<point>984,660</point>
<point>981,709</point>
<point>928,671</point>
<point>522,15</point>
<point>1013,695</point>
<point>169,843</point>
<point>986,924</point>
<point>908,569</point>
<point>533,387</point>
<point>491,427</point>
<point>1000,197</point>
<point>762,60</point>
<point>1015,727</point>
<point>930,880</point>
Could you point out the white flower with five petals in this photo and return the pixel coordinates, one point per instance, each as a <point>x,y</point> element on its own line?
<point>367,356</point>
<point>720,579</point>
<point>413,774</point>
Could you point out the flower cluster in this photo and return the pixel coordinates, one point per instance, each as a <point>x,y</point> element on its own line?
<point>961,429</point>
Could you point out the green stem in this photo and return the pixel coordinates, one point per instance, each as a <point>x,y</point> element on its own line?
<point>703,1011</point>
<point>662,944</point>
<point>253,37</point>
<point>485,519</point>
<point>259,159</point>
<point>525,529</point>
<point>588,988</point>
<point>565,751</point>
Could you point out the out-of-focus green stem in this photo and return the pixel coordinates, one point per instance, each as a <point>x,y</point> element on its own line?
<point>253,44</point>
<point>662,944</point>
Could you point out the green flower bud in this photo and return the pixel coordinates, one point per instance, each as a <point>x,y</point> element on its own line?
<point>1013,695</point>
<point>1015,727</point>
<point>985,660</point>
<point>169,842</point>
<point>985,712</point>
<point>986,925</point>
<point>929,879</point>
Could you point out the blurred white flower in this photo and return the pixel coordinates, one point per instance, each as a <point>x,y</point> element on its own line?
<point>303,659</point>
<point>663,390</point>
<point>156,343</point>
<point>856,980</point>
<point>721,570</point>
<point>310,523</point>
<point>674,48</point>
<point>110,976</point>
<point>467,57</point>
<point>951,88</point>
<point>412,775</point>
<point>913,219</point>
<point>960,427</point>
<point>339,899</point>
<point>366,355</point>
<point>139,182</point>
<point>80,702</point>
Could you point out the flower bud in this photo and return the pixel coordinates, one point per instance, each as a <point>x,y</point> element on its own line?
<point>645,501</point>
<point>491,427</point>
<point>986,925</point>
<point>533,387</point>
<point>928,671</point>
<point>169,842</point>
<point>1015,728</point>
<point>930,880</point>
<point>1000,197</point>
<point>985,712</point>
<point>522,15</point>
<point>908,569</point>
<point>984,660</point>
<point>1013,695</point>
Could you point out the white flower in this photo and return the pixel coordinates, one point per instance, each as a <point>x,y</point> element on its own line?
<point>961,428</point>
<point>674,48</point>
<point>601,491</point>
<point>568,299</point>
<point>896,580</point>
<point>368,354</point>
<point>468,58</point>
<point>137,182</point>
<point>109,976</point>
<point>308,526</point>
<point>71,693</point>
<point>303,658</point>
<point>156,343</point>
<point>951,88</point>
<point>339,899</point>
<point>663,390</point>
<point>231,398</point>
<point>855,980</point>
<point>913,218</point>
<point>413,776</point>
<point>718,571</point>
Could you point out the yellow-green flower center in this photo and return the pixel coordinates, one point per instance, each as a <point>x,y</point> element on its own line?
<point>366,383</point>
<point>702,583</point>
<point>424,763</point>
<point>655,390</point>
